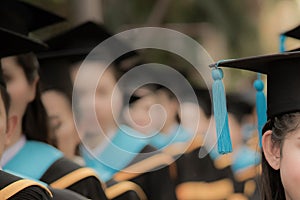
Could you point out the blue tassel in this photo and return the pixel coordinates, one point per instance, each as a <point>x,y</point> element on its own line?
<point>261,107</point>
<point>220,112</point>
<point>282,39</point>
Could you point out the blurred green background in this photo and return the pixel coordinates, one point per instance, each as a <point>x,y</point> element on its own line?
<point>225,28</point>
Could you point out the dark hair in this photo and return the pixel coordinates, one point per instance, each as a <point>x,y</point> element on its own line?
<point>272,187</point>
<point>34,122</point>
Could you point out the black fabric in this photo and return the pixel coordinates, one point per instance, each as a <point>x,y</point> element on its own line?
<point>76,43</point>
<point>294,33</point>
<point>23,17</point>
<point>29,193</point>
<point>13,43</point>
<point>282,79</point>
<point>157,184</point>
<point>146,152</point>
<point>129,195</point>
<point>89,187</point>
<point>191,168</point>
<point>65,195</point>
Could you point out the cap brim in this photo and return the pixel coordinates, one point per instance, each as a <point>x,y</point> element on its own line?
<point>259,64</point>
<point>13,43</point>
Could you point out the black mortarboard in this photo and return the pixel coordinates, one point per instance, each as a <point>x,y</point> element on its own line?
<point>293,33</point>
<point>283,80</point>
<point>13,43</point>
<point>76,43</point>
<point>23,17</point>
<point>282,72</point>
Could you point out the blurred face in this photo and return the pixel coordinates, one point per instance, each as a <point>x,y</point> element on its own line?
<point>20,90</point>
<point>62,125</point>
<point>170,105</point>
<point>143,115</point>
<point>289,165</point>
<point>193,118</point>
<point>107,101</point>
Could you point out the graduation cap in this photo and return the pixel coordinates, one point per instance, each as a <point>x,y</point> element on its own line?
<point>293,33</point>
<point>13,44</point>
<point>24,18</point>
<point>55,75</point>
<point>283,82</point>
<point>76,43</point>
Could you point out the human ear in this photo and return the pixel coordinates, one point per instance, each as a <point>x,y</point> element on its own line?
<point>271,150</point>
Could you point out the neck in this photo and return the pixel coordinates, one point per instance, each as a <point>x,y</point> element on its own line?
<point>168,126</point>
<point>16,135</point>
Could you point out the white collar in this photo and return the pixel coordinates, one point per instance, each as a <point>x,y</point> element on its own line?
<point>12,151</point>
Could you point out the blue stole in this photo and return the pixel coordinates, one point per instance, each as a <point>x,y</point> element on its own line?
<point>124,146</point>
<point>245,158</point>
<point>214,154</point>
<point>33,160</point>
<point>178,134</point>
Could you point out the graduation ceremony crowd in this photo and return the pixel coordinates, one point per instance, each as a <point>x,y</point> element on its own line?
<point>45,156</point>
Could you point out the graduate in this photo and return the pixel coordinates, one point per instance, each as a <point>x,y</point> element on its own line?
<point>280,133</point>
<point>43,162</point>
<point>71,47</point>
<point>208,177</point>
<point>27,153</point>
<point>172,132</point>
<point>13,187</point>
<point>15,43</point>
<point>140,113</point>
<point>57,98</point>
<point>56,87</point>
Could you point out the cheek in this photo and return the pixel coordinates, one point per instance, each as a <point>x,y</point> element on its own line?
<point>140,117</point>
<point>289,170</point>
<point>18,94</point>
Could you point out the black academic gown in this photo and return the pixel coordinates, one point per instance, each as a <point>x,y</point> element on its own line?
<point>29,193</point>
<point>89,187</point>
<point>65,195</point>
<point>156,184</point>
<point>190,168</point>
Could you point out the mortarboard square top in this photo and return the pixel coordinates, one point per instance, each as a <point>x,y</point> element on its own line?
<point>23,18</point>
<point>13,43</point>
<point>78,41</point>
<point>283,79</point>
<point>293,33</point>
